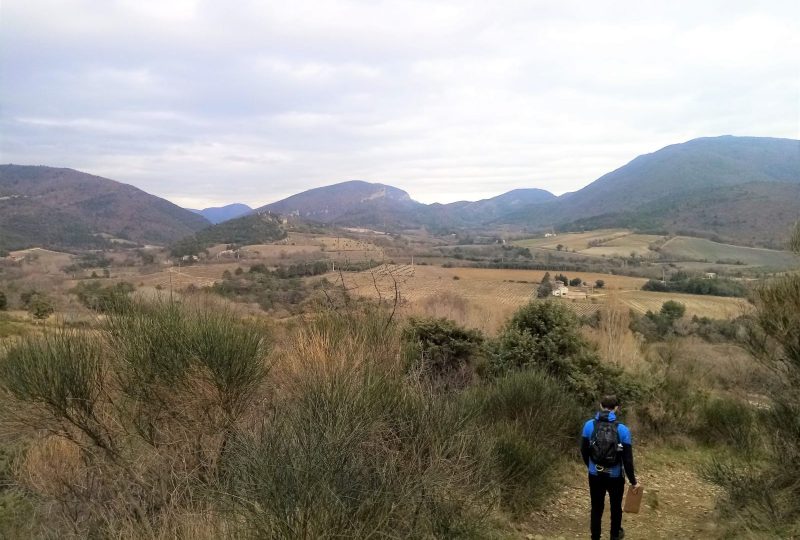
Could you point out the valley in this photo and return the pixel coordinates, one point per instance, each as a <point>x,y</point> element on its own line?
<point>389,348</point>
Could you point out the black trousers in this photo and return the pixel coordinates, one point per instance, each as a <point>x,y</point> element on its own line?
<point>599,485</point>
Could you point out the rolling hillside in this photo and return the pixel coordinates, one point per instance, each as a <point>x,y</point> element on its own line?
<point>757,214</point>
<point>64,208</point>
<point>684,248</point>
<point>743,189</point>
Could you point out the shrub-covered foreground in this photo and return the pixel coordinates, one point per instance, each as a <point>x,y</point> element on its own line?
<point>763,495</point>
<point>187,421</point>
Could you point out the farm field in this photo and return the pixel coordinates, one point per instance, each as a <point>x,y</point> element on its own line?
<point>715,307</point>
<point>700,249</point>
<point>491,295</point>
<point>46,260</point>
<point>623,246</point>
<point>179,278</point>
<point>691,254</point>
<point>576,241</point>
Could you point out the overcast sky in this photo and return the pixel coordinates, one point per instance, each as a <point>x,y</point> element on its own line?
<point>213,102</point>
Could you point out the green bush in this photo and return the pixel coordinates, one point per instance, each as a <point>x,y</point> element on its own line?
<point>727,421</point>
<point>103,299</point>
<point>40,307</point>
<point>149,405</point>
<point>350,450</point>
<point>534,422</point>
<point>441,351</point>
<point>672,310</point>
<point>63,373</point>
<point>546,335</point>
<point>165,346</point>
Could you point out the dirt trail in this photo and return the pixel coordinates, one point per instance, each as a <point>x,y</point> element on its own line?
<point>677,503</point>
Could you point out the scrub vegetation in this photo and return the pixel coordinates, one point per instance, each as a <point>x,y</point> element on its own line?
<point>193,415</point>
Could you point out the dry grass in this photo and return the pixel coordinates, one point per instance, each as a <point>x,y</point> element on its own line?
<point>715,307</point>
<point>51,465</point>
<point>479,298</point>
<point>467,313</point>
<point>615,342</point>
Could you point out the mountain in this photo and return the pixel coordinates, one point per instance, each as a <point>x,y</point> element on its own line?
<point>752,214</point>
<point>487,210</point>
<point>218,214</point>
<point>700,184</point>
<point>64,208</point>
<point>377,206</point>
<point>356,203</point>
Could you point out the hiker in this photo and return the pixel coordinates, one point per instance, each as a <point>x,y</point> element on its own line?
<point>606,450</point>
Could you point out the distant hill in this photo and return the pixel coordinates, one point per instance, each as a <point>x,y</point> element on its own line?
<point>738,188</point>
<point>64,208</point>
<point>218,214</point>
<point>754,214</point>
<point>254,228</point>
<point>487,210</point>
<point>355,203</point>
<point>377,206</point>
<point>258,228</point>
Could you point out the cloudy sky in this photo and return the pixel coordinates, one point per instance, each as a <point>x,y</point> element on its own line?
<point>208,102</point>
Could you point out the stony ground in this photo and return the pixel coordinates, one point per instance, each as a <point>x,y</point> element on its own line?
<point>677,503</point>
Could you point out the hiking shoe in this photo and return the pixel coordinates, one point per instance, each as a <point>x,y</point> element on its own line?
<point>621,535</point>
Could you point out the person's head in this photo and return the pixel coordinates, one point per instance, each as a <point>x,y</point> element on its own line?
<point>609,403</point>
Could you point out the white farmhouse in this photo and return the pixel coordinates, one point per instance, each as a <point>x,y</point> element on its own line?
<point>560,288</point>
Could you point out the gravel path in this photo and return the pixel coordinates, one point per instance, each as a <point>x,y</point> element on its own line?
<point>677,504</point>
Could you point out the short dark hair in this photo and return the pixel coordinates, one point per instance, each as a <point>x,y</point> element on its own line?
<point>609,402</point>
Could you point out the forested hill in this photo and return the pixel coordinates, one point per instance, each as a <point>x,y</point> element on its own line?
<point>64,208</point>
<point>738,188</point>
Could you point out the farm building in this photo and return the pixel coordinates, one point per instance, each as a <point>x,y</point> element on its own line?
<point>560,288</point>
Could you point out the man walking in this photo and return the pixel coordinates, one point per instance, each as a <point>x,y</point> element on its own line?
<point>606,450</point>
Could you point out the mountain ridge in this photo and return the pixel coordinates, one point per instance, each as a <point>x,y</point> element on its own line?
<point>745,189</point>
<point>698,166</point>
<point>62,207</point>
<point>218,214</point>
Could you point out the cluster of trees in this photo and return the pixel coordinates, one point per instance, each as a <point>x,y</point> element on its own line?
<point>683,283</point>
<point>38,304</point>
<point>103,299</point>
<point>265,287</point>
<point>656,326</point>
<point>86,261</point>
<point>542,336</point>
<point>281,287</point>
<point>243,231</point>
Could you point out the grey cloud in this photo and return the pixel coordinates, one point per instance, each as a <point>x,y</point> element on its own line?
<point>208,102</point>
